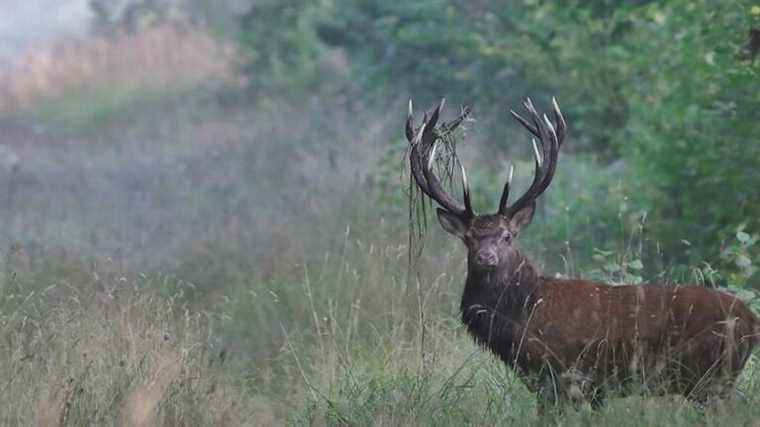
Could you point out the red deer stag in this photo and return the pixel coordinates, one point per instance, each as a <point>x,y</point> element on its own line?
<point>573,340</point>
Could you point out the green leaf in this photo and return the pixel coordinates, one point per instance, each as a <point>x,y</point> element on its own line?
<point>743,261</point>
<point>636,264</point>
<point>742,236</point>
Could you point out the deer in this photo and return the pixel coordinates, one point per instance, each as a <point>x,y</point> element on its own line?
<point>574,341</point>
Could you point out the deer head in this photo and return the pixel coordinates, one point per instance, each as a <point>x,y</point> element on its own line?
<point>489,238</point>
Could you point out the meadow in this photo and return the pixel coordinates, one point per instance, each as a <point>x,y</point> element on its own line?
<point>179,249</point>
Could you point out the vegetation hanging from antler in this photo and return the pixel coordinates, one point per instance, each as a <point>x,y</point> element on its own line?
<point>572,340</point>
<point>433,141</point>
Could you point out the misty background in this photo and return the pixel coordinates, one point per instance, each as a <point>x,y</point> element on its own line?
<point>246,161</point>
<point>24,25</point>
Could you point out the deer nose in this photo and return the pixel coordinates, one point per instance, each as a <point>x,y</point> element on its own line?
<point>488,258</point>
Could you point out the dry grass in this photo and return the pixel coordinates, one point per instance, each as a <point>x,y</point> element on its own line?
<point>141,405</point>
<point>121,353</point>
<point>159,57</point>
<point>53,411</point>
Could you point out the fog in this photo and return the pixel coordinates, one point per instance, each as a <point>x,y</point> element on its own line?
<point>124,151</point>
<point>25,24</point>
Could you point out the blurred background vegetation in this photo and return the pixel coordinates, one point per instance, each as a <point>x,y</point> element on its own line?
<point>238,166</point>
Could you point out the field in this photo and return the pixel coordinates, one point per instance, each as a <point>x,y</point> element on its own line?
<point>180,250</point>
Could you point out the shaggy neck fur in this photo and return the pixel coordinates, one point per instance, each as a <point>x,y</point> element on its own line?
<point>496,303</point>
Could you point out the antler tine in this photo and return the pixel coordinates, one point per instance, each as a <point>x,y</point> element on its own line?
<point>523,121</point>
<point>425,138</point>
<point>526,124</point>
<point>550,135</point>
<point>505,193</point>
<point>540,159</point>
<point>409,128</point>
<point>536,118</point>
<point>559,119</point>
<point>466,192</point>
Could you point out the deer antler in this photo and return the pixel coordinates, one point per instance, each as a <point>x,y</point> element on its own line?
<point>423,140</point>
<point>550,135</point>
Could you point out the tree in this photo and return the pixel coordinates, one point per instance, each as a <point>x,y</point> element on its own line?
<point>694,132</point>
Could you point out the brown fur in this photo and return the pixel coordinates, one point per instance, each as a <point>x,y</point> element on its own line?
<point>571,340</point>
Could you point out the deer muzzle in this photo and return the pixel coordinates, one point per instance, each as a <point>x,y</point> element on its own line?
<point>487,258</point>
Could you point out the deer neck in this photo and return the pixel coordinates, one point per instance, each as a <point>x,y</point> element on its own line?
<point>510,287</point>
<point>497,303</point>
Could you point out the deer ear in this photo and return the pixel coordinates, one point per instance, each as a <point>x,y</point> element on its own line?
<point>523,217</point>
<point>452,223</point>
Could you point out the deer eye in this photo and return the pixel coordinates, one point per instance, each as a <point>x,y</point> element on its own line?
<point>506,237</point>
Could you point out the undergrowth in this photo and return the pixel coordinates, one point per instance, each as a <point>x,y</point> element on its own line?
<point>405,359</point>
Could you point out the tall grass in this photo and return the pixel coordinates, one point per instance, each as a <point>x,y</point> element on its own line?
<point>350,340</point>
<point>360,344</point>
<point>111,351</point>
<point>282,227</point>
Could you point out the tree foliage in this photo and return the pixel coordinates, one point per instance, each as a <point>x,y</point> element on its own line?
<point>694,127</point>
<point>668,89</point>
<point>280,46</point>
